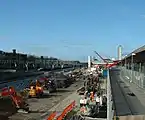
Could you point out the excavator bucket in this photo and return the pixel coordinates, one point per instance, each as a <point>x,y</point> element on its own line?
<point>7,106</point>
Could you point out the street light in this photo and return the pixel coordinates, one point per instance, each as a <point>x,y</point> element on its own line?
<point>125,61</point>
<point>132,65</point>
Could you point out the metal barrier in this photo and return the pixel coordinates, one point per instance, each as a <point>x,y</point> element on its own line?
<point>110,111</point>
<point>135,76</point>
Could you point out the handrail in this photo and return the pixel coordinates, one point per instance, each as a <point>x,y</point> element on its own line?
<point>110,112</point>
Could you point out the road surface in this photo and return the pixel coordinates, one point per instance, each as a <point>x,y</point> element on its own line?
<point>125,98</point>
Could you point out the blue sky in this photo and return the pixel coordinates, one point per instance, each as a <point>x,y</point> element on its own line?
<point>72,29</point>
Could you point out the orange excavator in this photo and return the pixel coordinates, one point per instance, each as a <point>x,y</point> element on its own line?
<point>107,65</point>
<point>11,101</point>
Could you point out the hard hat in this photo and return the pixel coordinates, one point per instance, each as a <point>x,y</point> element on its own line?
<point>31,87</point>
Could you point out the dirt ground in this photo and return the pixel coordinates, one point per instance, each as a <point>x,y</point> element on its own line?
<point>41,108</point>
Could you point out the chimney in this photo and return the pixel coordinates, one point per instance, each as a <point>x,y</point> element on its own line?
<point>14,51</point>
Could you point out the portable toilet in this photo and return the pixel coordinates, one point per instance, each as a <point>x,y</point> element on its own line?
<point>105,73</point>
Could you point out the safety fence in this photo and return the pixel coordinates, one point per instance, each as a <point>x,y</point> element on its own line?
<point>69,108</point>
<point>135,76</point>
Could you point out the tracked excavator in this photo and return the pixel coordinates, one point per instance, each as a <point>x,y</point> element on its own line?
<point>11,102</point>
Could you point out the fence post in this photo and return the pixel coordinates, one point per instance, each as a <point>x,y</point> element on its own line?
<point>143,70</point>
<point>141,85</point>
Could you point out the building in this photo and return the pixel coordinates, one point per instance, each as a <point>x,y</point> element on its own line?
<point>119,52</point>
<point>14,60</point>
<point>89,61</point>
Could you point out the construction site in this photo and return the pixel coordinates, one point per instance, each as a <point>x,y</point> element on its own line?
<point>78,94</point>
<point>98,92</point>
<point>93,100</point>
<point>88,102</point>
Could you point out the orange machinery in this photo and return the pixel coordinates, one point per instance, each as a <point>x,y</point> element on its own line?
<point>17,100</point>
<point>36,89</point>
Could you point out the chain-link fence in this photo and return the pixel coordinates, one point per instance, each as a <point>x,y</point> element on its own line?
<point>135,74</point>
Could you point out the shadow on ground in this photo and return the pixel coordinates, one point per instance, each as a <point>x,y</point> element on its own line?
<point>63,91</point>
<point>49,96</point>
<point>42,97</point>
<point>3,117</point>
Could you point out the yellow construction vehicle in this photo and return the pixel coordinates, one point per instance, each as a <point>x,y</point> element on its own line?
<point>36,90</point>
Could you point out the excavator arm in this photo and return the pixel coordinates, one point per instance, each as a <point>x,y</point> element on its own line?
<point>107,65</point>
<point>100,57</point>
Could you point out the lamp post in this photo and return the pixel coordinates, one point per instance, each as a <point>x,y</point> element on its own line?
<point>132,66</point>
<point>125,61</point>
<point>26,65</point>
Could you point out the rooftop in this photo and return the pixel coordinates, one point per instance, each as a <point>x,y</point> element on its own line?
<point>141,49</point>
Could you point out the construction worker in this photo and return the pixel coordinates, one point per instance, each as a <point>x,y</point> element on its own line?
<point>81,102</point>
<point>83,109</point>
<point>91,96</point>
<point>101,100</point>
<point>32,91</point>
<point>89,89</point>
<point>97,100</point>
<point>37,83</point>
<point>12,91</point>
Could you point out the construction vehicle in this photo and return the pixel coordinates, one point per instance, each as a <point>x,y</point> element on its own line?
<point>48,84</point>
<point>51,86</point>
<point>36,89</point>
<point>11,102</point>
